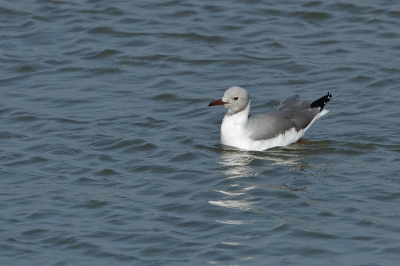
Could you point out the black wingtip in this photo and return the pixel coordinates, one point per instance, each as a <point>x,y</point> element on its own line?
<point>322,101</point>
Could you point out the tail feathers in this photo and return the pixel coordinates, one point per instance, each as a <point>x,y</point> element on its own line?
<point>322,101</point>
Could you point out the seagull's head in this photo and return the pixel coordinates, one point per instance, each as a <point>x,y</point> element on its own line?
<point>235,99</point>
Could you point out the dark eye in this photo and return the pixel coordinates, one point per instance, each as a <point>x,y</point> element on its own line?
<point>236,98</point>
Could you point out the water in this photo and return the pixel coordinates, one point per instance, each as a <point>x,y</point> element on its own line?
<point>110,155</point>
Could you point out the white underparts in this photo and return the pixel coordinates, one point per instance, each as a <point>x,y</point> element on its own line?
<point>234,133</point>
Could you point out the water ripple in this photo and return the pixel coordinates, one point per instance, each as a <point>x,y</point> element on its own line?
<point>110,155</point>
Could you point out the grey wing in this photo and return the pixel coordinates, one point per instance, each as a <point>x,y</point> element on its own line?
<point>292,113</point>
<point>294,103</point>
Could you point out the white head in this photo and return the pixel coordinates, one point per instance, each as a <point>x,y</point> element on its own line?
<point>235,99</point>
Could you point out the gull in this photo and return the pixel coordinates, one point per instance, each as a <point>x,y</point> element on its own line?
<point>262,131</point>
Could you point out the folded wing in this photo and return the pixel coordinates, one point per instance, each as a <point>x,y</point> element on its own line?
<point>292,113</point>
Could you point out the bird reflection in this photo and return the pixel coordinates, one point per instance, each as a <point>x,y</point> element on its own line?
<point>239,163</point>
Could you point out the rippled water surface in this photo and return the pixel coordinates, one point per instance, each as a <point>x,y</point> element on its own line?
<point>110,156</point>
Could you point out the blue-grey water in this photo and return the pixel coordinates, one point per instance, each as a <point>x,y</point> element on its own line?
<point>109,154</point>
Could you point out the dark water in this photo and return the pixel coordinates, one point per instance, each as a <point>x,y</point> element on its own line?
<point>110,156</point>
